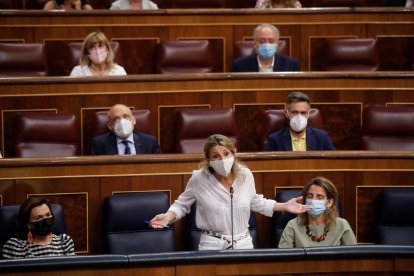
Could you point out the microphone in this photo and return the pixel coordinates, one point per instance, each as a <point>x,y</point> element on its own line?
<point>231,210</point>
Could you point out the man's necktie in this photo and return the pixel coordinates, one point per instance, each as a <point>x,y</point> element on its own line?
<point>127,148</point>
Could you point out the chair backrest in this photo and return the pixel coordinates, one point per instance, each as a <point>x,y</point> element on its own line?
<point>194,126</point>
<point>194,233</point>
<point>198,4</point>
<point>388,128</point>
<point>280,219</point>
<point>44,135</point>
<point>125,230</point>
<point>350,54</point>
<point>34,4</point>
<point>142,118</point>
<point>184,56</point>
<point>8,4</point>
<point>245,47</point>
<point>22,60</point>
<point>339,3</point>
<point>8,215</point>
<point>395,217</point>
<point>275,119</point>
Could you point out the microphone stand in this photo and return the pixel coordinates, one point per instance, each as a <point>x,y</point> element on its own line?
<point>231,210</point>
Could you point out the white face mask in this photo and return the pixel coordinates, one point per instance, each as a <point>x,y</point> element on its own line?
<point>222,167</point>
<point>298,123</point>
<point>123,128</point>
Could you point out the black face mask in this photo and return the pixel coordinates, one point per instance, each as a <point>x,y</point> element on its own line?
<point>43,227</point>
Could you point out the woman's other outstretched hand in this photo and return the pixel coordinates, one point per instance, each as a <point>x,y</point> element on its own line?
<point>162,220</point>
<point>292,206</point>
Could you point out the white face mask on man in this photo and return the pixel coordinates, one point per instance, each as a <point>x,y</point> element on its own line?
<point>222,167</point>
<point>123,128</point>
<point>298,123</point>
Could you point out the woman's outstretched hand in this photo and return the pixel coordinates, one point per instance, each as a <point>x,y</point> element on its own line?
<point>292,206</point>
<point>162,220</point>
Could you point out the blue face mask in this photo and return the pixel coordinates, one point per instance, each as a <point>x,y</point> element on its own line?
<point>318,207</point>
<point>267,50</point>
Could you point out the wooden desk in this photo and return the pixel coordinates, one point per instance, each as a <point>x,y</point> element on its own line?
<point>80,184</point>
<point>341,98</point>
<point>350,260</point>
<point>301,28</point>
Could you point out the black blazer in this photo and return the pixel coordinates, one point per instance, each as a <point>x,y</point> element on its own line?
<point>250,64</point>
<point>105,144</point>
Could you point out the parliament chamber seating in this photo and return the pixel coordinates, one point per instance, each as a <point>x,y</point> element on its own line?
<point>193,233</point>
<point>8,4</point>
<point>280,219</point>
<point>99,121</point>
<point>184,56</point>
<point>275,119</point>
<point>62,62</point>
<point>350,54</point>
<point>23,60</point>
<point>245,47</point>
<point>194,126</point>
<point>142,117</point>
<point>35,4</point>
<point>339,3</point>
<point>198,4</point>
<point>395,217</point>
<point>125,230</point>
<point>388,128</point>
<point>46,135</point>
<point>8,215</point>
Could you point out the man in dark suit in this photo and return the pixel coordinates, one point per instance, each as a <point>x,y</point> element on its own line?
<point>298,136</point>
<point>122,139</point>
<point>265,57</point>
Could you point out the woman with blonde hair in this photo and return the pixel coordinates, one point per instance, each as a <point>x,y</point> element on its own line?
<point>223,187</point>
<point>320,226</point>
<point>268,4</point>
<point>97,58</point>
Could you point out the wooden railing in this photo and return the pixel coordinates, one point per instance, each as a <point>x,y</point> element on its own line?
<point>341,98</point>
<point>358,260</point>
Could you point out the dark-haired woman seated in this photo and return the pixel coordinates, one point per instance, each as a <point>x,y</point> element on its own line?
<point>320,226</point>
<point>34,237</point>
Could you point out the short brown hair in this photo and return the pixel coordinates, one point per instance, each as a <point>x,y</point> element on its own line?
<point>297,96</point>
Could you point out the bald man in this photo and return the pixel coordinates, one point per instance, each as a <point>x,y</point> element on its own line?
<point>121,138</point>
